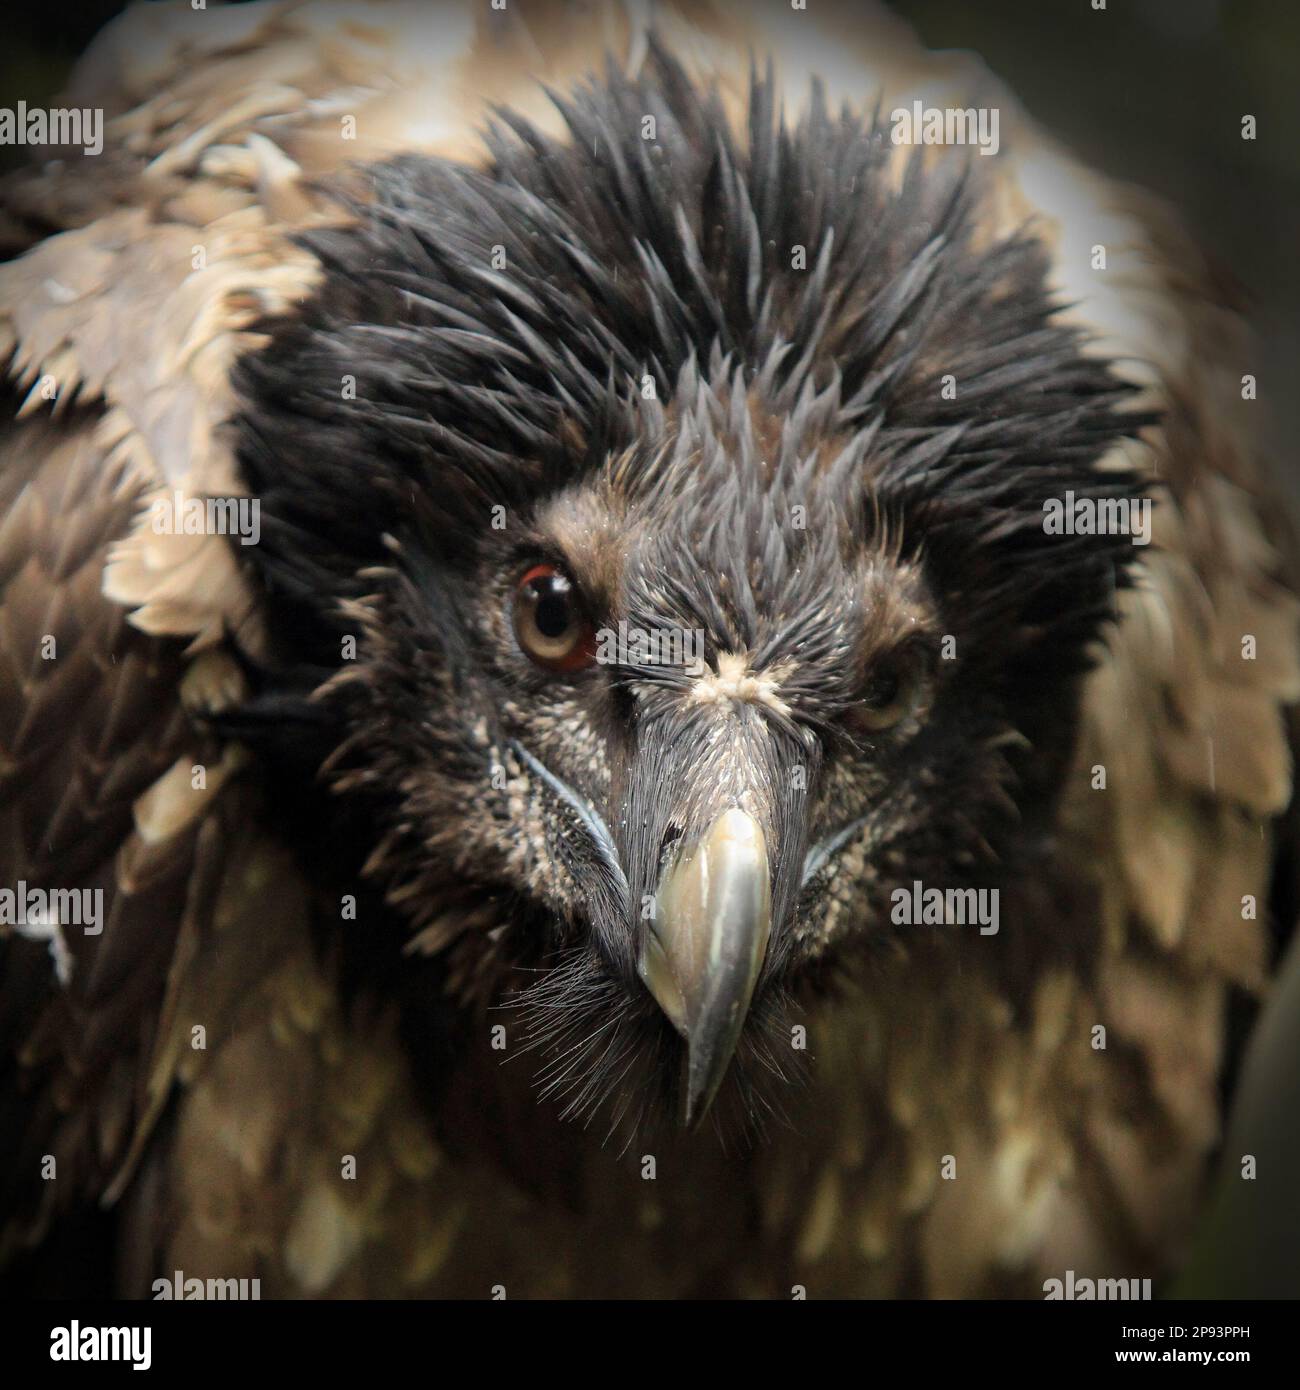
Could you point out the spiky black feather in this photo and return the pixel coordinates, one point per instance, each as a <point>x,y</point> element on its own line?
<point>482,384</point>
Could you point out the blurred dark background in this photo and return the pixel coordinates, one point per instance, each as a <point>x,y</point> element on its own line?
<point>1147,90</point>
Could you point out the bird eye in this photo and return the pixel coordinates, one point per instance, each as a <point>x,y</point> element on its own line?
<point>549,622</point>
<point>892,692</point>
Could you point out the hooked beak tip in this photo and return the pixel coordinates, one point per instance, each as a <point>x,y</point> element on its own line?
<point>704,950</point>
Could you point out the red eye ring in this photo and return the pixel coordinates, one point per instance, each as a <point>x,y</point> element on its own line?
<point>541,572</point>
<point>550,623</point>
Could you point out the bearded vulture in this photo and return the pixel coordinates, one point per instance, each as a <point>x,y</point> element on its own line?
<point>645,649</point>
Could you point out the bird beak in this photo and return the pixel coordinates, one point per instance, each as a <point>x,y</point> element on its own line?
<point>705,946</point>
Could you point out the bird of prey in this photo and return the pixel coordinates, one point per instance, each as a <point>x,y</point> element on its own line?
<point>614,680</point>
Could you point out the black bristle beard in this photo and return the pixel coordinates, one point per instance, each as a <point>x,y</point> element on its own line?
<point>608,1061</point>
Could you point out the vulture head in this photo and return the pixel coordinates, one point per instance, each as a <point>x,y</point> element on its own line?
<point>653,544</point>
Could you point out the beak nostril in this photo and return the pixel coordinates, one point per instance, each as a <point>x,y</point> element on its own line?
<point>672,835</point>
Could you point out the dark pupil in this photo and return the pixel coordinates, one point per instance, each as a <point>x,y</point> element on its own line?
<point>883,690</point>
<point>551,613</point>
